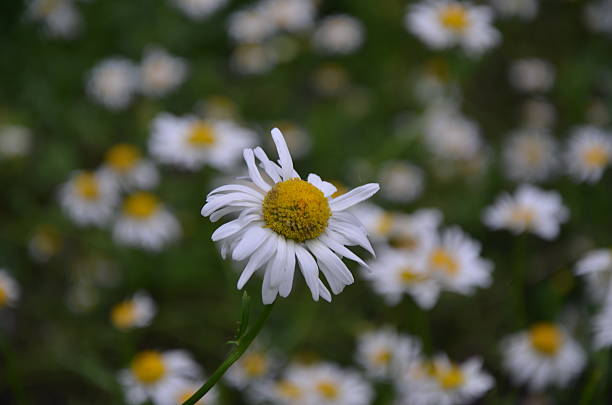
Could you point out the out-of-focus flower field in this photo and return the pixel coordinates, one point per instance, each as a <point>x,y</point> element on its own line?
<point>485,124</point>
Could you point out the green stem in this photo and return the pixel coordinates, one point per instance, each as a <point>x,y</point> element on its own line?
<point>519,280</point>
<point>243,344</point>
<point>597,375</point>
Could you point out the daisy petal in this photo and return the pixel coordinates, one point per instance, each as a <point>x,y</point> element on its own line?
<point>355,196</point>
<point>283,154</point>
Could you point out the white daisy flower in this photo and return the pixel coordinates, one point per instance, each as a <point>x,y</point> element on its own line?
<point>443,382</point>
<point>251,25</point>
<point>144,222</point>
<point>596,267</point>
<point>378,223</point>
<point>602,324</point>
<point>161,72</point>
<point>454,260</point>
<point>328,384</point>
<point>291,388</point>
<point>113,82</point>
<point>89,198</point>
<point>598,16</point>
<point>588,153</point>
<point>396,272</point>
<point>15,141</point>
<point>401,181</point>
<point>530,155</point>
<point>523,9</point>
<point>338,34</point>
<point>255,365</point>
<point>443,24</point>
<point>183,390</point>
<point>542,356</point>
<point>416,232</point>
<point>199,9</point>
<point>532,75</point>
<point>191,143</point>
<point>9,289</point>
<point>253,59</point>
<point>385,353</point>
<point>125,165</point>
<point>290,15</point>
<point>154,375</point>
<point>528,210</point>
<point>135,312</point>
<point>283,220</point>
<point>60,17</point>
<point>538,114</point>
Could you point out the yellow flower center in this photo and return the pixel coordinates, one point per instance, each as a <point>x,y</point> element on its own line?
<point>532,150</point>
<point>141,205</point>
<point>383,357</point>
<point>87,186</point>
<point>440,259</point>
<point>3,297</point>
<point>546,338</point>
<point>296,209</point>
<point>595,157</point>
<point>122,157</point>
<point>201,135</point>
<point>328,390</point>
<point>289,390</point>
<point>451,378</point>
<point>454,17</point>
<point>148,367</point>
<point>408,276</point>
<point>123,314</point>
<point>521,216</point>
<point>385,224</point>
<point>255,364</point>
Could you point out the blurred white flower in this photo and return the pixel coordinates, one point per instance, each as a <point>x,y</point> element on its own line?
<point>15,141</point>
<point>330,385</point>
<point>532,75</point>
<point>255,366</point>
<point>338,34</point>
<point>199,9</point>
<point>89,198</point>
<point>178,393</point>
<point>602,324</point>
<point>190,143</point>
<point>253,59</point>
<point>530,155</point>
<point>290,389</point>
<point>135,312</point>
<point>60,17</point>
<point>290,15</point>
<point>284,220</point>
<point>113,82</point>
<point>251,25</point>
<point>596,267</point>
<point>125,165</point>
<point>542,356</point>
<point>161,72</point>
<point>598,15</point>
<point>523,9</point>
<point>9,289</point>
<point>401,181</point>
<point>144,222</point>
<point>443,24</point>
<point>384,353</point>
<point>529,210</point>
<point>588,153</point>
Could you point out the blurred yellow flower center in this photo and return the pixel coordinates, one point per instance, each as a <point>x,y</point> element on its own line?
<point>46,7</point>
<point>405,241</point>
<point>408,276</point>
<point>201,135</point>
<point>123,314</point>
<point>440,259</point>
<point>296,209</point>
<point>522,216</point>
<point>546,338</point>
<point>148,367</point>
<point>327,389</point>
<point>596,157</point>
<point>383,357</point>
<point>47,240</point>
<point>532,150</point>
<point>454,17</point>
<point>289,390</point>
<point>3,297</point>
<point>122,157</point>
<point>255,364</point>
<point>87,186</point>
<point>385,224</point>
<point>140,205</point>
<point>451,378</point>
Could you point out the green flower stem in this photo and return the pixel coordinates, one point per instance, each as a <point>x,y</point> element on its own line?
<point>242,345</point>
<point>519,280</point>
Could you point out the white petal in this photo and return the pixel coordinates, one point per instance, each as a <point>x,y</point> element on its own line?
<point>283,154</point>
<point>226,230</point>
<point>354,196</point>
<point>253,171</point>
<point>257,259</point>
<point>278,269</point>
<point>270,167</point>
<point>287,283</point>
<point>310,270</point>
<point>326,188</point>
<point>341,249</point>
<point>324,292</point>
<point>251,240</point>
<point>268,293</point>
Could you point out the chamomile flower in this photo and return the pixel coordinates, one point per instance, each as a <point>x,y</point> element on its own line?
<point>602,325</point>
<point>588,153</point>
<point>401,181</point>
<point>396,272</point>
<point>529,210</point>
<point>538,114</point>
<point>190,143</point>
<point>156,375</point>
<point>416,232</point>
<point>454,260</point>
<point>290,15</point>
<point>338,34</point>
<point>9,289</point>
<point>523,9</point>
<point>135,312</point>
<point>284,220</point>
<point>125,164</point>
<point>384,353</point>
<point>443,24</point>
<point>113,82</point>
<point>255,365</point>
<point>542,356</point>
<point>328,384</point>
<point>253,59</point>
<point>60,17</point>
<point>596,267</point>
<point>144,222</point>
<point>291,388</point>
<point>89,198</point>
<point>252,25</point>
<point>15,141</point>
<point>160,72</point>
<point>599,16</point>
<point>532,75</point>
<point>378,222</point>
<point>198,9</point>
<point>530,155</point>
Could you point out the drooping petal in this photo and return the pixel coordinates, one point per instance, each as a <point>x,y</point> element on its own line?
<point>310,270</point>
<point>257,259</point>
<point>254,171</point>
<point>287,283</point>
<point>251,240</point>
<point>271,168</point>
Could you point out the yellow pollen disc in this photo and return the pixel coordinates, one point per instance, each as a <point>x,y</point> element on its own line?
<point>123,314</point>
<point>408,276</point>
<point>546,338</point>
<point>454,17</point>
<point>122,157</point>
<point>385,224</point>
<point>382,358</point>
<point>440,259</point>
<point>289,390</point>
<point>3,297</point>
<point>451,378</point>
<point>87,186</point>
<point>140,205</point>
<point>148,367</point>
<point>595,157</point>
<point>201,135</point>
<point>255,364</point>
<point>296,209</point>
<point>522,215</point>
<point>404,242</point>
<point>328,390</point>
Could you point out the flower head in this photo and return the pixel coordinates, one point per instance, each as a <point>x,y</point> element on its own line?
<point>9,289</point>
